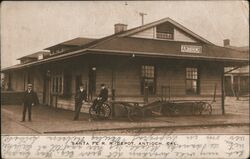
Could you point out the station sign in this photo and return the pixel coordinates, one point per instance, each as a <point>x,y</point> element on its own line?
<point>191,49</point>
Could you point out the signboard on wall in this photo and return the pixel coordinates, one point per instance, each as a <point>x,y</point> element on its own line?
<point>191,48</point>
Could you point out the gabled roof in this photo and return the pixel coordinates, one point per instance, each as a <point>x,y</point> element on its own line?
<point>161,21</point>
<point>73,42</point>
<point>121,44</point>
<point>168,48</point>
<point>35,55</point>
<point>142,28</point>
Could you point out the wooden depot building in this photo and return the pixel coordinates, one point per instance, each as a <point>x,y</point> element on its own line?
<point>156,55</point>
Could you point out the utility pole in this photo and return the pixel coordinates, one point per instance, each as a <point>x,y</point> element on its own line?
<point>142,17</point>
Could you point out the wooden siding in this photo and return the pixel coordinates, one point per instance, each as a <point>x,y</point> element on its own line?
<point>103,75</point>
<point>38,78</point>
<point>179,36</point>
<point>175,76</point>
<point>79,68</point>
<point>151,34</point>
<point>210,76</point>
<point>17,80</point>
<point>148,34</point>
<point>127,80</point>
<point>11,98</point>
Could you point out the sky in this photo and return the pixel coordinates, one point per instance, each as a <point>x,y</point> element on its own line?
<point>30,26</point>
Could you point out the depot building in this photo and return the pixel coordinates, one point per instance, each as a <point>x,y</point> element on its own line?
<point>161,54</point>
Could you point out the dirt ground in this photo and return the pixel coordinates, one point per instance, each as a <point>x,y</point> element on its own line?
<point>47,119</point>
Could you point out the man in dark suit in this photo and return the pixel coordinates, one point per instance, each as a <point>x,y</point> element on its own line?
<point>80,97</point>
<point>30,99</point>
<point>103,97</point>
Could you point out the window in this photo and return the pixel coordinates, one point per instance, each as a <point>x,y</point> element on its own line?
<point>67,80</point>
<point>164,35</point>
<point>192,81</point>
<point>148,79</point>
<point>57,83</point>
<point>165,31</point>
<point>61,84</point>
<point>56,50</point>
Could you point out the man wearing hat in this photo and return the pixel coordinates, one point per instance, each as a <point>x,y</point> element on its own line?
<point>80,97</point>
<point>30,99</point>
<point>103,97</point>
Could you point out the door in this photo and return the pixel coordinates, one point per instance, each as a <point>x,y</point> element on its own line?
<point>78,81</point>
<point>30,78</point>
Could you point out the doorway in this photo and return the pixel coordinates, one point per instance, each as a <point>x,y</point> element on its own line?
<point>78,81</point>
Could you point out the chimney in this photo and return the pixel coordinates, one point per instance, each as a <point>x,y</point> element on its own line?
<point>120,27</point>
<point>226,42</point>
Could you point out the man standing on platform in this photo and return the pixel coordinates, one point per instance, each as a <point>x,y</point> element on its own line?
<point>80,98</point>
<point>30,99</point>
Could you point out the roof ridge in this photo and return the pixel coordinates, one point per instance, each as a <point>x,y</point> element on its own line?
<point>145,25</point>
<point>62,43</point>
<point>115,35</point>
<point>163,20</point>
<point>142,27</point>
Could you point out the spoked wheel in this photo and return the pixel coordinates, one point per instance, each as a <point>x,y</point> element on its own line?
<point>171,110</point>
<point>134,113</point>
<point>93,114</point>
<point>198,108</point>
<point>206,109</point>
<point>104,112</point>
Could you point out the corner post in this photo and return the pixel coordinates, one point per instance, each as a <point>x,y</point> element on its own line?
<point>222,93</point>
<point>238,87</point>
<point>113,91</point>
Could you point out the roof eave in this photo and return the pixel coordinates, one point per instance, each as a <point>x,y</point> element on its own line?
<point>150,54</point>
<point>26,57</point>
<point>58,45</point>
<point>47,60</point>
<point>126,53</point>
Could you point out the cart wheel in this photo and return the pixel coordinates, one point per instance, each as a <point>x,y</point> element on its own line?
<point>136,112</point>
<point>105,111</point>
<point>92,113</point>
<point>197,108</point>
<point>207,109</point>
